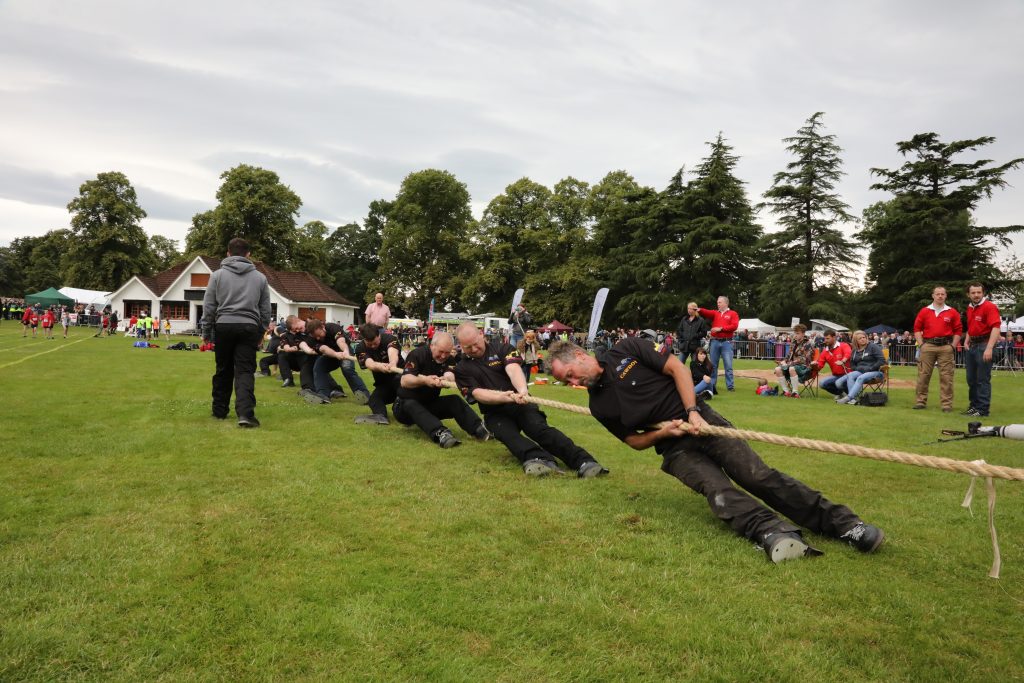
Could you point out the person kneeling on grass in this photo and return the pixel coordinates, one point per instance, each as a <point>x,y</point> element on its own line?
<point>379,352</point>
<point>419,399</point>
<point>632,386</point>
<point>332,344</point>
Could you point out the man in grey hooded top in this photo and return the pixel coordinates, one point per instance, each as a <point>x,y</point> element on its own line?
<point>236,307</point>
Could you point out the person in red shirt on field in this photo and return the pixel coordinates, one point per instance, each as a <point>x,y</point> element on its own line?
<point>48,321</point>
<point>937,329</point>
<point>982,334</point>
<point>30,319</point>
<point>724,322</point>
<point>836,355</point>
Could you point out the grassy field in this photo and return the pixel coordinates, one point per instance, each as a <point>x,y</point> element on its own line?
<point>141,540</point>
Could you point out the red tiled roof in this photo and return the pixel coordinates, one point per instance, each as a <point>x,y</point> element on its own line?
<point>294,285</point>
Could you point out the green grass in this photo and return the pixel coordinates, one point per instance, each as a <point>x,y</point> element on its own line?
<point>142,540</point>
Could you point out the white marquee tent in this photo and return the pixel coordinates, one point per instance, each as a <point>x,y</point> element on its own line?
<point>756,325</point>
<point>86,296</point>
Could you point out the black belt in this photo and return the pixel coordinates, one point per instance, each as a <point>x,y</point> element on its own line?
<point>939,341</point>
<point>978,340</point>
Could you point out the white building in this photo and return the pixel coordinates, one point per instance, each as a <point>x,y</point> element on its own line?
<point>177,295</point>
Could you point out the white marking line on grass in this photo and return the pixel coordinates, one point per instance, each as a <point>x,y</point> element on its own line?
<point>42,353</point>
<point>21,346</point>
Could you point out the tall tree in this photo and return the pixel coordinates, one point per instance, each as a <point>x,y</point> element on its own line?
<point>165,251</point>
<point>419,255</point>
<point>925,235</point>
<point>110,245</point>
<point>354,253</point>
<point>311,250</point>
<point>809,259</point>
<point>721,233</point>
<point>47,262</point>
<point>253,204</point>
<point>512,242</point>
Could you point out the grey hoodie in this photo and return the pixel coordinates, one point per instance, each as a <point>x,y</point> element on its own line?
<point>237,293</point>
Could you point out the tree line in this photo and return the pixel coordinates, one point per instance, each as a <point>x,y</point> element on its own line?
<point>654,249</point>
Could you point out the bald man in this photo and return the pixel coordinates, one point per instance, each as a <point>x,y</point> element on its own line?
<point>419,399</point>
<point>490,374</point>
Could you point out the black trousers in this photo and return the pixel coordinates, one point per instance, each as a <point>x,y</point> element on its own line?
<point>427,415</point>
<point>266,362</point>
<point>297,360</point>
<point>716,466</point>
<point>385,391</point>
<point>509,424</point>
<point>235,355</point>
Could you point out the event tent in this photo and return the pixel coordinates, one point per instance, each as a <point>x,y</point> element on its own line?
<point>1016,325</point>
<point>755,325</point>
<point>49,297</point>
<point>555,326</point>
<point>879,329</point>
<point>86,296</point>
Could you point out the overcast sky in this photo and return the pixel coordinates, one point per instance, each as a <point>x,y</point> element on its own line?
<point>344,99</point>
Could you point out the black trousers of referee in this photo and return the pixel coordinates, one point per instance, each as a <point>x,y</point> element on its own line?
<point>716,466</point>
<point>525,431</point>
<point>235,356</point>
<point>385,391</point>
<point>297,360</point>
<point>427,415</point>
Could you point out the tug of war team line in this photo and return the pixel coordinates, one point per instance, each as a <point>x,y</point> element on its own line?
<point>633,382</point>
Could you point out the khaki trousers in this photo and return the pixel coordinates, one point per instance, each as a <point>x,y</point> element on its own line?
<point>930,355</point>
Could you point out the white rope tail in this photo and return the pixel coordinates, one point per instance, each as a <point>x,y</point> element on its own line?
<point>990,488</point>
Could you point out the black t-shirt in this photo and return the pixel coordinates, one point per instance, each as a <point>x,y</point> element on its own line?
<point>380,355</point>
<point>487,372</point>
<point>332,333</point>
<point>296,338</point>
<point>421,362</point>
<point>634,393</point>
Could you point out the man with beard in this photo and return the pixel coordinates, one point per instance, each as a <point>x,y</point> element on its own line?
<point>633,387</point>
<point>379,353</point>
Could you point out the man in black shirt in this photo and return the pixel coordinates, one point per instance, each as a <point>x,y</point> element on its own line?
<point>490,374</point>
<point>379,353</point>
<point>632,387</point>
<point>331,342</point>
<point>690,332</point>
<point>419,396</point>
<point>297,352</point>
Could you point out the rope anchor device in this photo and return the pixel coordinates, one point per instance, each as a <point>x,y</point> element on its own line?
<point>976,430</point>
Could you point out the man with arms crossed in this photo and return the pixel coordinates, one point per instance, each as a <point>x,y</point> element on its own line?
<point>632,387</point>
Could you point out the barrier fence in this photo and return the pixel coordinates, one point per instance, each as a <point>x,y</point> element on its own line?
<point>1003,357</point>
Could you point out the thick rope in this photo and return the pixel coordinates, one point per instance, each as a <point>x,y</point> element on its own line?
<point>977,468</point>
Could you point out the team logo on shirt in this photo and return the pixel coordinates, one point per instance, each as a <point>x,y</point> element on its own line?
<point>625,366</point>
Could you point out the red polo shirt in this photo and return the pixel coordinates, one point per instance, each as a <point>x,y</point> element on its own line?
<point>982,318</point>
<point>728,320</point>
<point>944,323</point>
<point>837,357</point>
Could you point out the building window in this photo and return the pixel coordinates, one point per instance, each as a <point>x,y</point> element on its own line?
<point>200,279</point>
<point>135,307</point>
<point>174,310</point>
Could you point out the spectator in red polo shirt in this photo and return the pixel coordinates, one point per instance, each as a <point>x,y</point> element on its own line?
<point>982,334</point>
<point>937,329</point>
<point>837,355</point>
<point>724,322</point>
